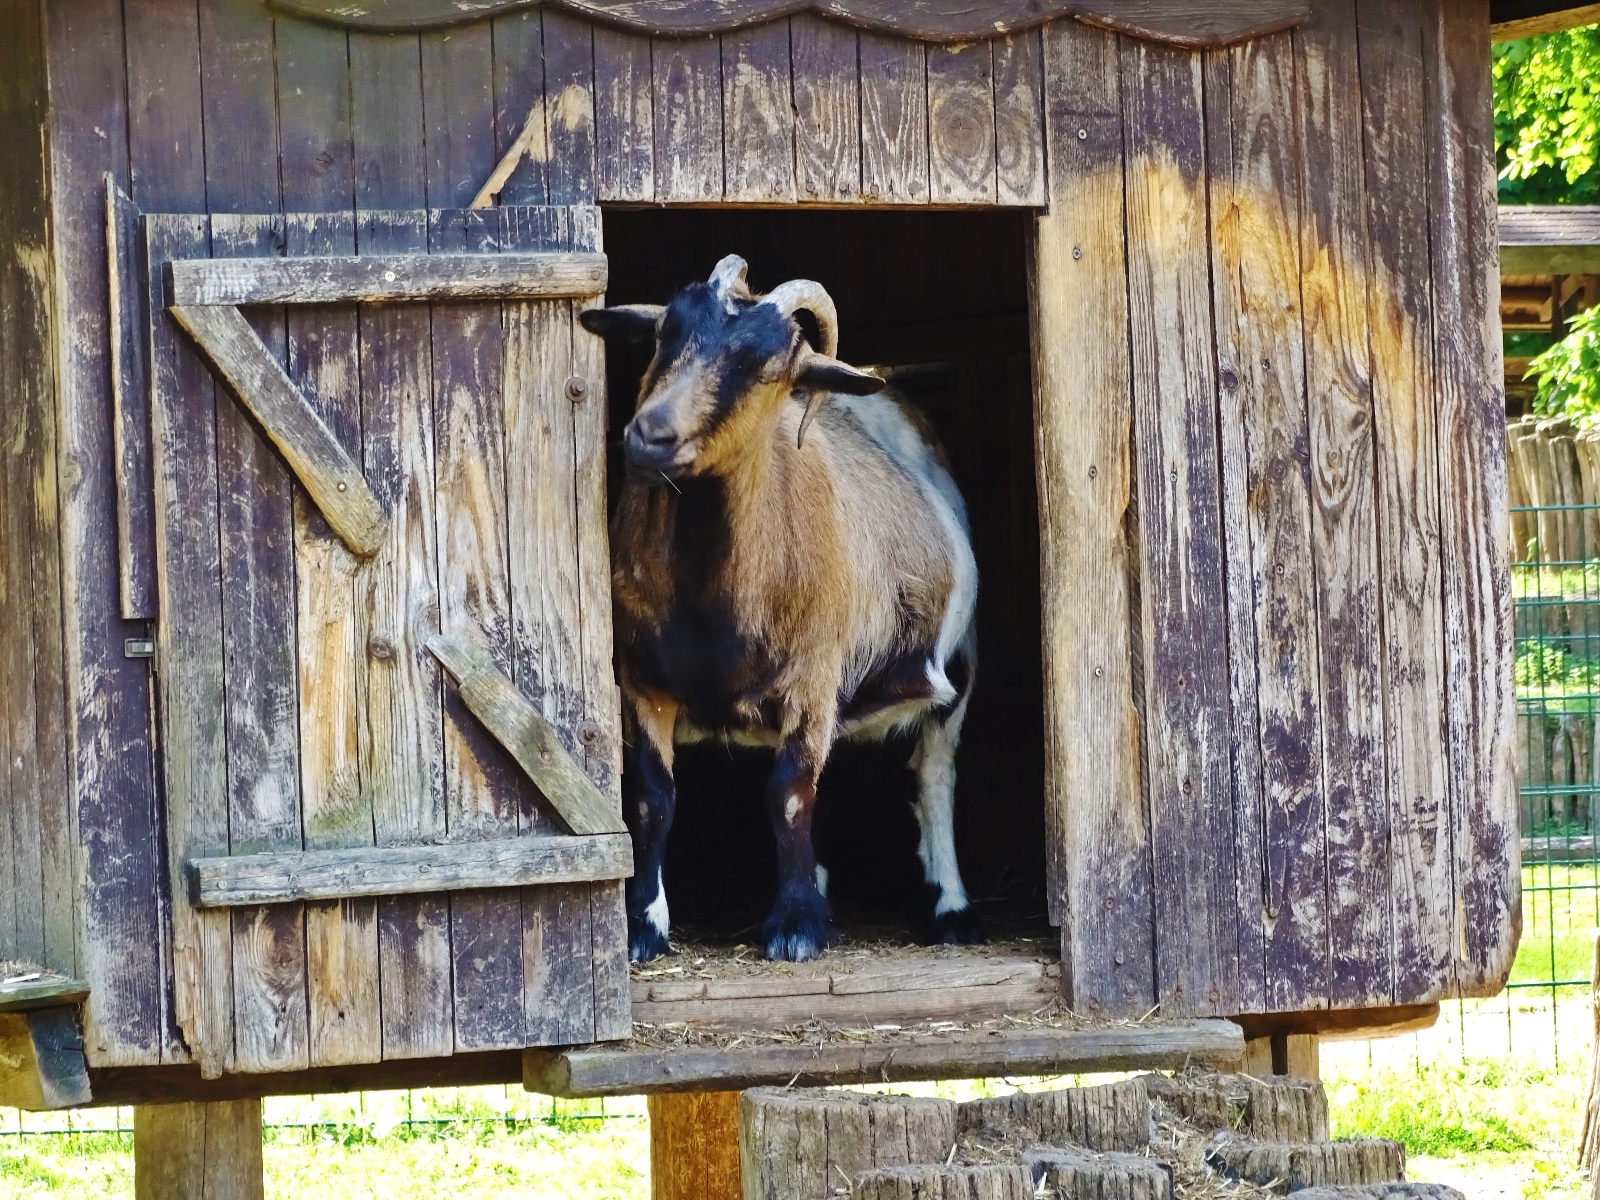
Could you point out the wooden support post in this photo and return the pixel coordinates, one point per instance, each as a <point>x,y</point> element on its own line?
<point>694,1146</point>
<point>1296,1054</point>
<point>198,1151</point>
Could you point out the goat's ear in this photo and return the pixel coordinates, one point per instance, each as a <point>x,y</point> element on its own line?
<point>634,323</point>
<point>824,374</point>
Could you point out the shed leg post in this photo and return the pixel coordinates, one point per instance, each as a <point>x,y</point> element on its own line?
<point>694,1146</point>
<point>198,1151</point>
<point>1296,1054</point>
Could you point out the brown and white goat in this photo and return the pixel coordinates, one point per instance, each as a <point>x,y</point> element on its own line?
<point>791,566</point>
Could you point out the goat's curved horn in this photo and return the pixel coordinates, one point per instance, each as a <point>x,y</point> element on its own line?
<point>727,278</point>
<point>789,298</point>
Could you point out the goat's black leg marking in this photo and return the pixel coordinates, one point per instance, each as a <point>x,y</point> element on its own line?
<point>797,928</point>
<point>649,798</point>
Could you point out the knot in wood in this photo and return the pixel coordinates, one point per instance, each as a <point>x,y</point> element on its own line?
<point>577,388</point>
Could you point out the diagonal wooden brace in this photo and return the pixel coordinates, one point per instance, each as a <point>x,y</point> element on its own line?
<point>330,476</point>
<point>506,713</point>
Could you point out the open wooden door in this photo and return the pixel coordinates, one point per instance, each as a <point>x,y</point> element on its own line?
<point>389,722</point>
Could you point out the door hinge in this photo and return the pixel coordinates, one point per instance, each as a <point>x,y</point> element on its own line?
<point>139,647</point>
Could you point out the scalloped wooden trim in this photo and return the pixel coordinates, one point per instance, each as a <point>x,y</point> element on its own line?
<point>1196,24</point>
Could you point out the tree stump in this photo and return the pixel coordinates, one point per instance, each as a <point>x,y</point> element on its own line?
<point>1383,1191</point>
<point>198,1151</point>
<point>989,1182</point>
<point>1589,1139</point>
<point>1285,1109</point>
<point>694,1146</point>
<point>1286,1167</point>
<point>1082,1175</point>
<point>811,1144</point>
<point>1109,1116</point>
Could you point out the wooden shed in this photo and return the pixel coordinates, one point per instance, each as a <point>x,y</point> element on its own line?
<point>310,729</point>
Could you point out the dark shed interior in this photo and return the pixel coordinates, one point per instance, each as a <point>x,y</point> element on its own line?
<point>940,300</point>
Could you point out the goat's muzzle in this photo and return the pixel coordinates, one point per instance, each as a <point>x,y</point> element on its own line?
<point>653,446</point>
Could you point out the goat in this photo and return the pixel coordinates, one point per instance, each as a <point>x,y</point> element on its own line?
<point>785,574</point>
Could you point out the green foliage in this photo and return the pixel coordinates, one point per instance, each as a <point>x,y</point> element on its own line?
<point>1547,118</point>
<point>1568,373</point>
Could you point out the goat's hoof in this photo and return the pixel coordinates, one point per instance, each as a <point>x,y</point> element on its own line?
<point>959,927</point>
<point>645,941</point>
<point>797,934</point>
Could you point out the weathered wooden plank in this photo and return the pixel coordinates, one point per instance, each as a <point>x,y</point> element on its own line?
<point>894,120</point>
<point>542,558</point>
<point>569,105</point>
<point>533,741</point>
<point>1019,133</point>
<point>1330,864</point>
<point>381,277</point>
<point>198,1149</point>
<point>758,116</point>
<point>130,403</point>
<point>109,697</point>
<point>402,737</point>
<point>316,160</point>
<point>688,119</point>
<point>827,110</point>
<point>188,572</point>
<point>42,1065</point>
<point>1254,150</point>
<point>522,134</point>
<point>1097,843</point>
<point>459,111</point>
<point>387,145</point>
<point>486,794</point>
<point>1183,605</point>
<point>24,993</point>
<point>630,1070</point>
<point>1400,302</point>
<point>251,879</point>
<point>961,155</point>
<point>341,938</point>
<point>330,476</point>
<point>1468,379</point>
<point>623,116</point>
<point>166,138</point>
<point>237,91</point>
<point>257,540</point>
<point>1198,24</point>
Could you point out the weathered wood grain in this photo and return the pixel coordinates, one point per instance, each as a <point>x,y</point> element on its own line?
<point>316,160</point>
<point>993,1181</point>
<point>42,1066</point>
<point>386,130</point>
<point>238,92</point>
<point>1254,150</point>
<point>348,280</point>
<point>251,879</point>
<point>629,1070</point>
<point>130,401</point>
<point>521,119</point>
<point>1468,379</point>
<point>1098,830</point>
<point>257,542</point>
<point>198,1149</point>
<point>1396,163</point>
<point>758,116</point>
<point>961,152</point>
<point>1107,1116</point>
<point>486,794</point>
<point>827,110</point>
<point>34,990</point>
<point>1019,133</point>
<point>1198,24</point>
<point>569,86</point>
<point>532,740</point>
<point>1183,605</point>
<point>694,1145</point>
<point>1352,831</point>
<point>166,138</point>
<point>687,108</point>
<point>188,572</point>
<point>623,116</point>
<point>459,112</point>
<point>125,948</point>
<point>894,120</point>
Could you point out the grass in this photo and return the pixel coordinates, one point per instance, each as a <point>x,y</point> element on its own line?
<point>1560,914</point>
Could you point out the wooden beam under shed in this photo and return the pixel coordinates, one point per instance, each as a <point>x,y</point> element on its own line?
<point>1513,19</point>
<point>42,1065</point>
<point>976,1054</point>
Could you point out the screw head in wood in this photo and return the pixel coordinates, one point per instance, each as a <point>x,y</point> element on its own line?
<point>1077,252</point>
<point>588,733</point>
<point>1083,135</point>
<point>341,487</point>
<point>380,647</point>
<point>577,388</point>
<point>1094,471</point>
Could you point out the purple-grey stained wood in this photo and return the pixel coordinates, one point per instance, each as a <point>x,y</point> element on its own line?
<point>1196,24</point>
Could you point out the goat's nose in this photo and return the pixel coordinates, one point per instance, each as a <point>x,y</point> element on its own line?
<point>650,441</point>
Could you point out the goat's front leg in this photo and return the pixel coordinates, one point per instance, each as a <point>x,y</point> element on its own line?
<point>650,799</point>
<point>797,928</point>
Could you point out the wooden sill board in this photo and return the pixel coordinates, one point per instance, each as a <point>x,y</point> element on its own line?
<point>1042,1050</point>
<point>853,993</point>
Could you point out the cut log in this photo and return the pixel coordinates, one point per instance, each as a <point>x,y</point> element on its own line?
<point>195,1151</point>
<point>1521,522</point>
<point>1286,1167</point>
<point>802,1143</point>
<point>1207,1101</point>
<point>694,1146</point>
<point>1110,1116</point>
<point>1564,467</point>
<point>1081,1175</point>
<point>1285,1109</point>
<point>1005,1182</point>
<point>42,1065</point>
<point>1383,1191</point>
<point>1535,463</point>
